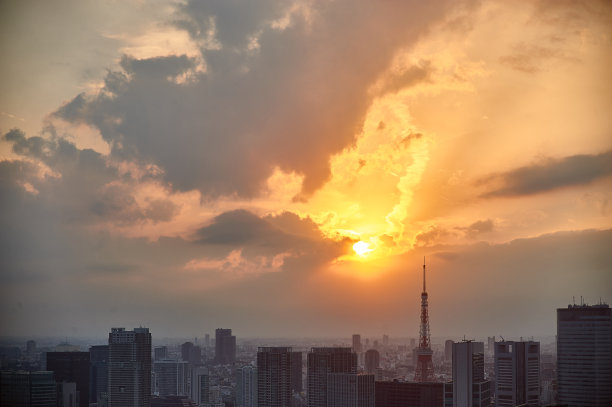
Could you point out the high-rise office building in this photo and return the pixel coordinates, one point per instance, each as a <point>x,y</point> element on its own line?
<point>356,343</point>
<point>225,346</point>
<point>402,394</point>
<point>296,372</point>
<point>274,377</point>
<point>321,362</point>
<point>246,386</point>
<point>160,353</point>
<point>517,374</point>
<point>98,375</point>
<point>71,367</point>
<point>424,366</point>
<point>470,389</point>
<point>448,350</point>
<point>172,378</point>
<point>129,368</point>
<point>350,390</point>
<point>28,389</point>
<point>372,361</point>
<point>584,355</point>
<point>200,385</point>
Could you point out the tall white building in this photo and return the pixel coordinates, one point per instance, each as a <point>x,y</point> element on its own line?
<point>517,373</point>
<point>470,389</point>
<point>200,385</point>
<point>246,386</point>
<point>584,355</point>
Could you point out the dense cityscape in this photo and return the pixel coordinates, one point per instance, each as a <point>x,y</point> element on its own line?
<point>221,371</point>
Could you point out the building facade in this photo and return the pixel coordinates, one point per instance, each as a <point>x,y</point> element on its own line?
<point>246,386</point>
<point>584,355</point>
<point>320,363</point>
<point>225,346</point>
<point>413,394</point>
<point>517,374</point>
<point>350,390</point>
<point>98,375</point>
<point>470,389</point>
<point>129,371</point>
<point>172,378</point>
<point>274,377</point>
<point>72,367</point>
<point>28,389</point>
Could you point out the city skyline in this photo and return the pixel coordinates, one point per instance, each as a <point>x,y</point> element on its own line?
<point>281,168</point>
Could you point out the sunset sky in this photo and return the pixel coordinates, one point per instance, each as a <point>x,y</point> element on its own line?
<point>281,168</point>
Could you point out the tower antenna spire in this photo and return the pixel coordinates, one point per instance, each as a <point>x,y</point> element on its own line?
<point>424,369</point>
<point>424,287</point>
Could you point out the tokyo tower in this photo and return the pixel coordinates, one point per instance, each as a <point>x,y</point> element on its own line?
<point>424,369</point>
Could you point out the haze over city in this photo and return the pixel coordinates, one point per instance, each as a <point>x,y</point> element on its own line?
<point>283,167</point>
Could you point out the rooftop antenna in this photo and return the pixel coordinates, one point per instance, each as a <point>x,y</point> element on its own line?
<point>574,299</point>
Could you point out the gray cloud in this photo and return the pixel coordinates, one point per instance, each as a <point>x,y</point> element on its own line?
<point>297,98</point>
<point>549,175</point>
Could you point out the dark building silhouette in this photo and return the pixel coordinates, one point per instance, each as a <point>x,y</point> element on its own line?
<point>274,376</point>
<point>448,350</point>
<point>129,372</point>
<point>296,372</point>
<point>584,355</point>
<point>71,367</point>
<point>98,376</point>
<point>350,390</point>
<point>172,401</point>
<point>357,343</point>
<point>517,374</point>
<point>225,346</point>
<point>160,353</point>
<point>191,353</point>
<point>28,389</point>
<point>372,361</point>
<point>321,362</point>
<point>409,394</point>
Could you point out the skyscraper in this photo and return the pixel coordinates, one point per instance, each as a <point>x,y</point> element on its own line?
<point>321,362</point>
<point>274,377</point>
<point>200,385</point>
<point>424,368</point>
<point>584,355</point>
<point>356,343</point>
<point>225,346</point>
<point>372,361</point>
<point>517,374</point>
<point>350,390</point>
<point>172,378</point>
<point>246,386</point>
<point>296,372</point>
<point>72,367</point>
<point>129,369</point>
<point>470,389</point>
<point>98,375</point>
<point>28,389</point>
<point>402,394</point>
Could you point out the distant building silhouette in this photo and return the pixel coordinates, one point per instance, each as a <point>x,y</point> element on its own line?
<point>517,374</point>
<point>448,350</point>
<point>191,353</point>
<point>356,343</point>
<point>274,377</point>
<point>469,387</point>
<point>350,390</point>
<point>246,386</point>
<point>296,372</point>
<point>98,375</point>
<point>225,346</point>
<point>385,340</point>
<point>321,362</point>
<point>172,378</point>
<point>584,355</point>
<point>372,361</point>
<point>72,367</point>
<point>160,353</point>
<point>413,394</point>
<point>129,369</point>
<point>28,389</point>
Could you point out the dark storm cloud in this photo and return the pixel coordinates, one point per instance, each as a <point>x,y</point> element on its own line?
<point>551,174</point>
<point>296,97</point>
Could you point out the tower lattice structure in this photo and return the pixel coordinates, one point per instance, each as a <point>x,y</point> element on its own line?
<point>424,369</point>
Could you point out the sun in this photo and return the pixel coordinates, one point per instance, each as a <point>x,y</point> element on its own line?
<point>362,248</point>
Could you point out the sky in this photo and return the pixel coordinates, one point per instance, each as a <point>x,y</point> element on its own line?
<point>282,168</point>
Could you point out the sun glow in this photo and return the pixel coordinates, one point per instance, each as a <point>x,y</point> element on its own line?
<point>362,248</point>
